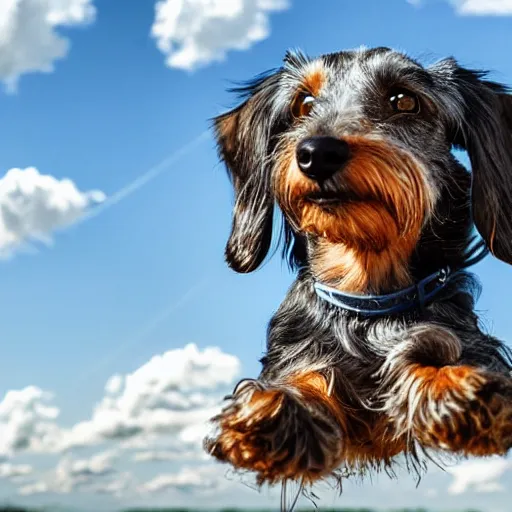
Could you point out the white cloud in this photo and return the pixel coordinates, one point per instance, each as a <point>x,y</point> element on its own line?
<point>169,455</point>
<point>98,465</point>
<point>159,412</point>
<point>114,385</point>
<point>8,470</point>
<point>480,475</point>
<point>188,479</point>
<point>117,486</point>
<point>478,7</point>
<point>34,206</point>
<point>171,394</point>
<point>29,41</point>
<point>484,7</point>
<point>27,422</point>
<point>99,475</point>
<point>194,33</point>
<point>33,488</point>
<point>72,474</point>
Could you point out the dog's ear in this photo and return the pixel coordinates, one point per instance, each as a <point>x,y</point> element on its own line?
<point>484,129</point>
<point>245,138</point>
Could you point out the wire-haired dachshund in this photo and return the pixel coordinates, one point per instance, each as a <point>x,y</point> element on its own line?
<point>376,350</point>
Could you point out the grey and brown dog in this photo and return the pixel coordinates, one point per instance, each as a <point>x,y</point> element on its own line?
<point>355,148</point>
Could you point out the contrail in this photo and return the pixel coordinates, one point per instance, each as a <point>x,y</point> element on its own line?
<point>147,329</point>
<point>143,179</point>
<point>116,198</point>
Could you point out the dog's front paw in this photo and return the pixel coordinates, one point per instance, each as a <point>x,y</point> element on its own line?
<point>460,408</point>
<point>274,433</point>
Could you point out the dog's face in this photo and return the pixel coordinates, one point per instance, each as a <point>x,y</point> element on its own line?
<point>346,168</point>
<point>355,148</point>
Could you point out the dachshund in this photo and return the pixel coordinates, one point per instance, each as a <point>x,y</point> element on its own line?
<point>376,351</point>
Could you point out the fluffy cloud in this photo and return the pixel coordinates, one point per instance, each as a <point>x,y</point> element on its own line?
<point>188,479</point>
<point>173,393</point>
<point>116,487</point>
<point>484,7</point>
<point>478,475</point>
<point>34,206</point>
<point>72,474</point>
<point>193,33</point>
<point>8,470</point>
<point>167,455</point>
<point>33,488</point>
<point>98,465</point>
<point>478,7</point>
<point>159,412</point>
<point>29,41</point>
<point>98,475</point>
<point>27,422</point>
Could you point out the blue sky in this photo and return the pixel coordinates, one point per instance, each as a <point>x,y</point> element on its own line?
<point>125,263</point>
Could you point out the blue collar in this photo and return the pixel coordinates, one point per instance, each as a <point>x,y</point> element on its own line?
<point>414,297</point>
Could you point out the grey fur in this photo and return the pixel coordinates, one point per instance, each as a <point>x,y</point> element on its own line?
<point>365,359</point>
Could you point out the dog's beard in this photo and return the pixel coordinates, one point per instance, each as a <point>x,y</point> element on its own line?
<point>382,197</point>
<point>372,217</point>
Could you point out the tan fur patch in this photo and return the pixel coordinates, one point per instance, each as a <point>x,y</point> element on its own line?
<point>458,409</point>
<point>314,78</point>
<point>367,239</point>
<point>274,433</point>
<point>368,438</point>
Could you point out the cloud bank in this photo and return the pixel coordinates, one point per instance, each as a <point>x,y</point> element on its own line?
<point>159,412</point>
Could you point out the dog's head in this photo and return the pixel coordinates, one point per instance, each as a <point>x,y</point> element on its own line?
<point>355,149</point>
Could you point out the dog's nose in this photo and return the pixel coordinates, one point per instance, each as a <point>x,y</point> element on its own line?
<point>320,157</point>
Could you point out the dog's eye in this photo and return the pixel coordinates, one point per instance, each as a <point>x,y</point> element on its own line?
<point>404,102</point>
<point>302,104</point>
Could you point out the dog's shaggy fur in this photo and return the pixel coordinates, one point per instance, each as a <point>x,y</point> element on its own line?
<point>382,209</point>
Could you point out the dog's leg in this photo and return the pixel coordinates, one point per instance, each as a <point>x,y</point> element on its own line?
<point>291,430</point>
<point>442,403</point>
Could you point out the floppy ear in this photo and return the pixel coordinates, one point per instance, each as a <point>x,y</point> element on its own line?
<point>245,142</point>
<point>485,131</point>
